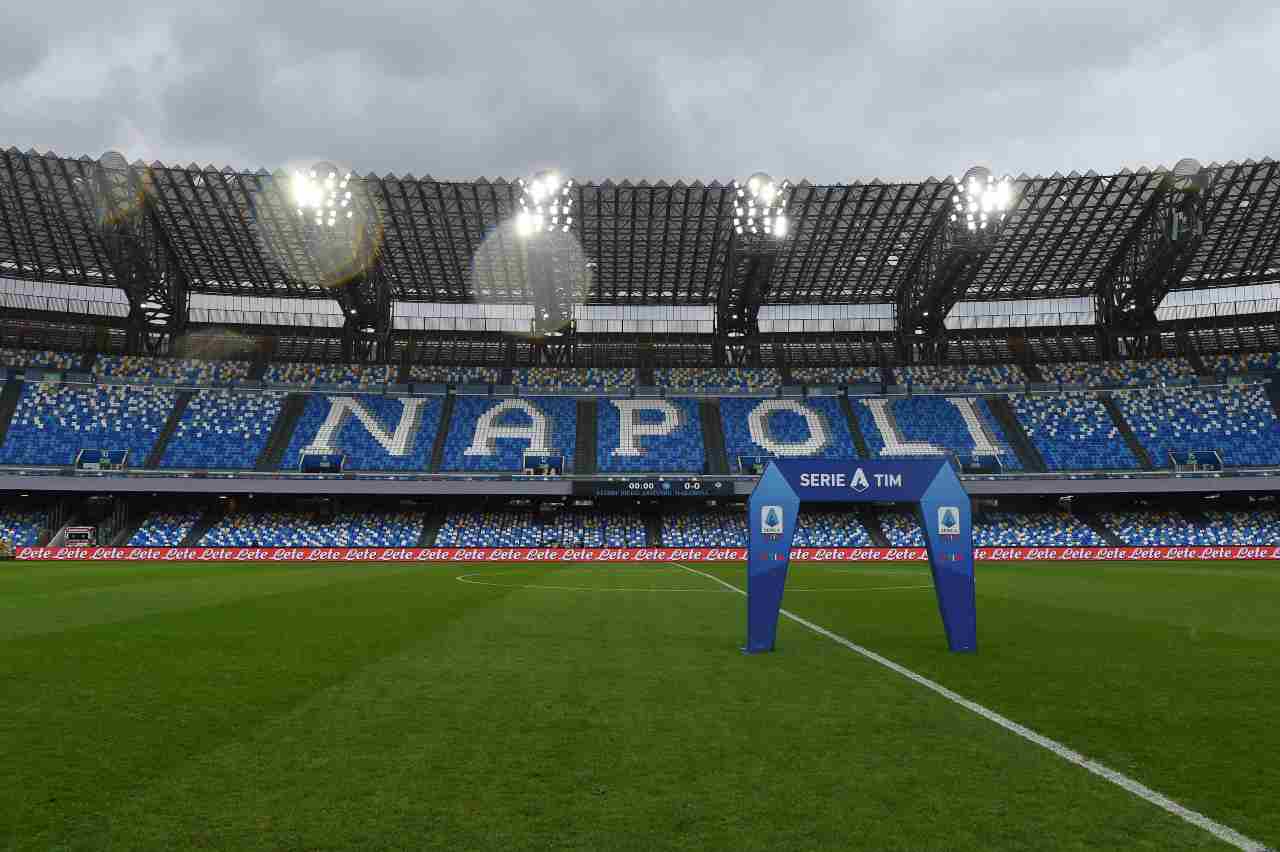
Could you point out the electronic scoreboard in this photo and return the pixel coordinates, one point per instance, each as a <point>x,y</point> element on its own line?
<point>653,486</point>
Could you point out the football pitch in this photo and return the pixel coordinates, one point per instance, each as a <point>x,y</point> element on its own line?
<point>529,706</point>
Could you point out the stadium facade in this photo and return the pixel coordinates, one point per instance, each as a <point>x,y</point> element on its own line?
<point>199,350</point>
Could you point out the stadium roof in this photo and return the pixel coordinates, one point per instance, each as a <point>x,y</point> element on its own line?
<point>236,232</point>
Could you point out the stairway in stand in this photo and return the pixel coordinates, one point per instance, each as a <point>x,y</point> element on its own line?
<point>442,433</point>
<point>1096,524</point>
<point>584,460</point>
<point>1026,451</point>
<point>211,516</point>
<point>281,432</point>
<point>1033,372</point>
<point>431,523</point>
<point>713,437</point>
<point>653,529</point>
<point>8,405</point>
<point>1273,394</point>
<point>855,428</point>
<point>170,426</point>
<point>1126,432</point>
<point>871,520</point>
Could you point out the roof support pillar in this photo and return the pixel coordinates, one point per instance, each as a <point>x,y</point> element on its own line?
<point>957,242</point>
<point>140,255</point>
<point>367,319</point>
<point>745,283</point>
<point>1150,261</point>
<point>557,351</point>
<point>937,278</point>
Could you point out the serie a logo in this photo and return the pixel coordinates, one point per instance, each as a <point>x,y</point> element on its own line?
<point>948,520</point>
<point>772,521</point>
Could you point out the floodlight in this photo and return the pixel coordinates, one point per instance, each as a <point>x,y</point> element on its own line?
<point>1190,176</point>
<point>981,200</point>
<point>321,192</point>
<point>544,198</point>
<point>759,206</point>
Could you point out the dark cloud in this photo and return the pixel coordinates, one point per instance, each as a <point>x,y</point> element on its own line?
<point>830,91</point>
<point>21,50</point>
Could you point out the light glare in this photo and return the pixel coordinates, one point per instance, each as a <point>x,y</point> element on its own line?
<point>982,200</point>
<point>759,206</point>
<point>316,194</point>
<point>544,200</point>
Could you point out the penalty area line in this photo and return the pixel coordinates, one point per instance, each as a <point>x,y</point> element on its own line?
<point>1224,833</point>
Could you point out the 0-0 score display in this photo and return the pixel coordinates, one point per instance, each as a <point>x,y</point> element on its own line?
<point>656,488</point>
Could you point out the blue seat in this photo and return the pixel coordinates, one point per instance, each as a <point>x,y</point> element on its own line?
<point>846,375</point>
<point>1032,529</point>
<point>715,378</point>
<point>575,378</point>
<point>454,375</point>
<point>403,431</point>
<point>932,426</point>
<point>569,528</point>
<point>1073,432</point>
<point>771,428</point>
<point>165,529</point>
<point>222,430</point>
<point>1131,373</point>
<point>1244,362</point>
<point>902,529</point>
<point>185,370</point>
<point>623,443</point>
<point>480,436</point>
<point>53,422</point>
<point>21,527</point>
<point>303,529</point>
<point>46,358</point>
<point>1147,527</point>
<point>961,377</point>
<point>830,528</point>
<point>1237,422</point>
<point>1239,526</point>
<point>709,528</point>
<point>342,375</point>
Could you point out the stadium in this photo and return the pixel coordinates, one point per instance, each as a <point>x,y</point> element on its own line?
<point>396,512</point>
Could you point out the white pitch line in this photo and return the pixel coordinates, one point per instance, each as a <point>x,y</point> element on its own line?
<point>469,579</point>
<point>466,578</point>
<point>1223,832</point>
<point>860,589</point>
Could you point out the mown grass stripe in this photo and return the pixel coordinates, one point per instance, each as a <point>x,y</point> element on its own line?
<point>1222,832</point>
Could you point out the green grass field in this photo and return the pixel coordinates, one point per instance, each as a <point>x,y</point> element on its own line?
<point>367,706</point>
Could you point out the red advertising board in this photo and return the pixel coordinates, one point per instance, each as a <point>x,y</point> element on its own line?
<point>626,554</point>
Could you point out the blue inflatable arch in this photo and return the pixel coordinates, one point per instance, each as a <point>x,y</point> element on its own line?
<point>942,508</point>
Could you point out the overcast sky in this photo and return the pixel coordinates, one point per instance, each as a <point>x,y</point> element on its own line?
<point>828,91</point>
